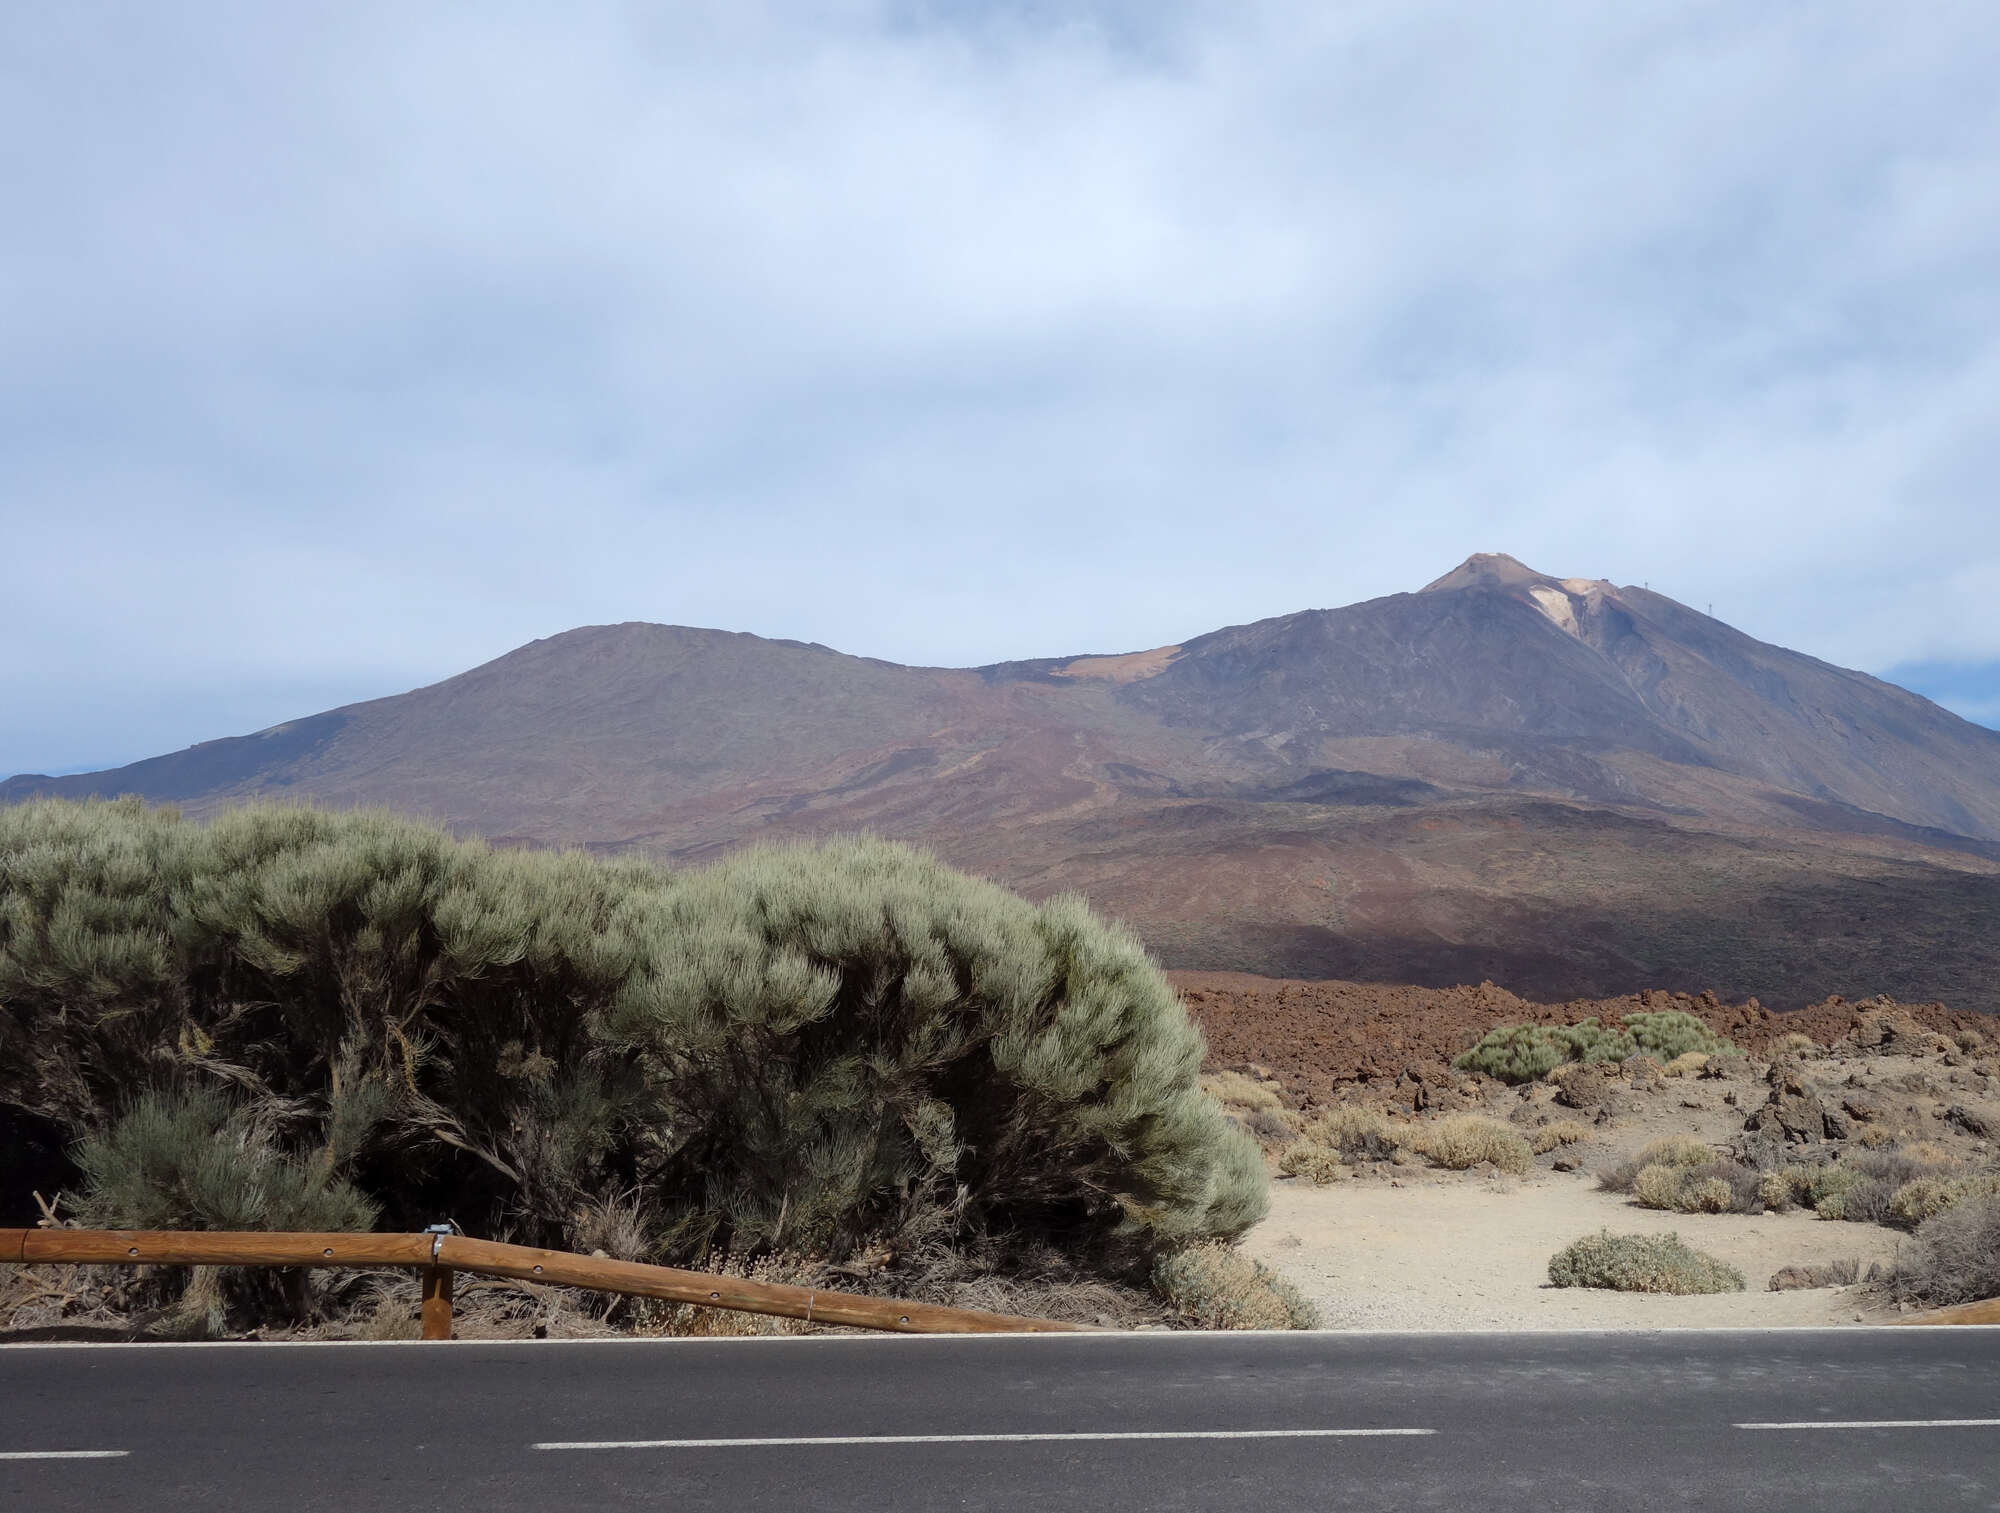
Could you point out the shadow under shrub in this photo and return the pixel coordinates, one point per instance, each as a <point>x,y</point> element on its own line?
<point>801,1048</point>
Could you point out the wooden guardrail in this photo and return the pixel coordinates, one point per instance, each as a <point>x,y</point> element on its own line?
<point>438,1256</point>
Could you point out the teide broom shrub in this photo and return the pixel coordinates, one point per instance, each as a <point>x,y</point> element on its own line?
<point>797,1047</point>
<point>857,1036</point>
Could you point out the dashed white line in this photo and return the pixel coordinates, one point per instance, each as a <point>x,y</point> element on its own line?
<point>1885,1423</point>
<point>970,1439</point>
<point>62,1454</point>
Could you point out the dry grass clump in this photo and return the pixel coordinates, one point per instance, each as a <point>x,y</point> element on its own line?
<point>1897,1185</point>
<point>1318,1163</point>
<point>1217,1287</point>
<point>1677,1150</point>
<point>1841,1273</point>
<point>1563,1132</point>
<point>1796,1044</point>
<point>1956,1257</point>
<point>1686,1064</point>
<point>1345,1133</point>
<point>1923,1198</point>
<point>1970,1041</point>
<point>1783,1186</point>
<point>1641,1263</point>
<point>1238,1090</point>
<point>1466,1140</point>
<point>1359,1133</point>
<point>1715,1187</point>
<point>1675,1155</point>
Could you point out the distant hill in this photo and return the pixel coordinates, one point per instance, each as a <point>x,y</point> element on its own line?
<point>1563,785</point>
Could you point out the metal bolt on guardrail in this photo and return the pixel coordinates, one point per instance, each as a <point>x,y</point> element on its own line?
<point>440,1252</point>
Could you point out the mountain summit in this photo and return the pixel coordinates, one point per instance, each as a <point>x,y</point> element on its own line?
<point>1561,783</point>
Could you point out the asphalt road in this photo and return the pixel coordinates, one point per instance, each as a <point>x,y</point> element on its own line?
<point>1881,1420</point>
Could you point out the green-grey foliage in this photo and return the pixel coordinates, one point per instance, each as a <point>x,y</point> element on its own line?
<point>1668,1033</point>
<point>193,1162</point>
<point>1641,1263</point>
<point>1528,1052</point>
<point>795,1047</point>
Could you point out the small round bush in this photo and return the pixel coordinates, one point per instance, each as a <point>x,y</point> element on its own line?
<point>1783,1187</point>
<point>1923,1198</point>
<point>1218,1287</point>
<point>1706,1195</point>
<point>1657,1186</point>
<point>1317,1163</point>
<point>1641,1263</point>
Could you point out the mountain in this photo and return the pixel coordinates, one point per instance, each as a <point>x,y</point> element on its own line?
<point>1564,785</point>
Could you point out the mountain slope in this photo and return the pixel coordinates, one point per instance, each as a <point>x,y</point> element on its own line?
<point>1569,679</point>
<point>1563,784</point>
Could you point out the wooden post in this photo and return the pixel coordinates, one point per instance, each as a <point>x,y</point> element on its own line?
<point>437,1302</point>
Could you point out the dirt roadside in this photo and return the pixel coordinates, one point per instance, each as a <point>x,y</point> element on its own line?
<point>1393,1242</point>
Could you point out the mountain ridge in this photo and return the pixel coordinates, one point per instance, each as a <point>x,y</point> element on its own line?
<point>1504,770</point>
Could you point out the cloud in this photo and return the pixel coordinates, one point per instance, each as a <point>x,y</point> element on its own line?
<point>349,346</point>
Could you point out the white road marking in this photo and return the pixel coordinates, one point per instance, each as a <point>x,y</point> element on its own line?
<point>62,1454</point>
<point>1887,1423</point>
<point>967,1439</point>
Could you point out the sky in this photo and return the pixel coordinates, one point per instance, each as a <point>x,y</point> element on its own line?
<point>345,347</point>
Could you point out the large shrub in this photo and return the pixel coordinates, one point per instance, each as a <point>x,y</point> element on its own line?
<point>798,1047</point>
<point>1528,1052</point>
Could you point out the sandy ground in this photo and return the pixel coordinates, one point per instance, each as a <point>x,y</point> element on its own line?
<point>1448,1252</point>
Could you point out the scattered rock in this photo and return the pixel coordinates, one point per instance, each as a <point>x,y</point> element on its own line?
<point>1793,1108</point>
<point>1964,1118</point>
<point>1586,1087</point>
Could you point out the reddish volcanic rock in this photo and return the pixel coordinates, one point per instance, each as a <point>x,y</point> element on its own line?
<point>1315,1036</point>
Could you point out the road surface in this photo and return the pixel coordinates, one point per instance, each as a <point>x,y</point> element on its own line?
<point>1882,1420</point>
